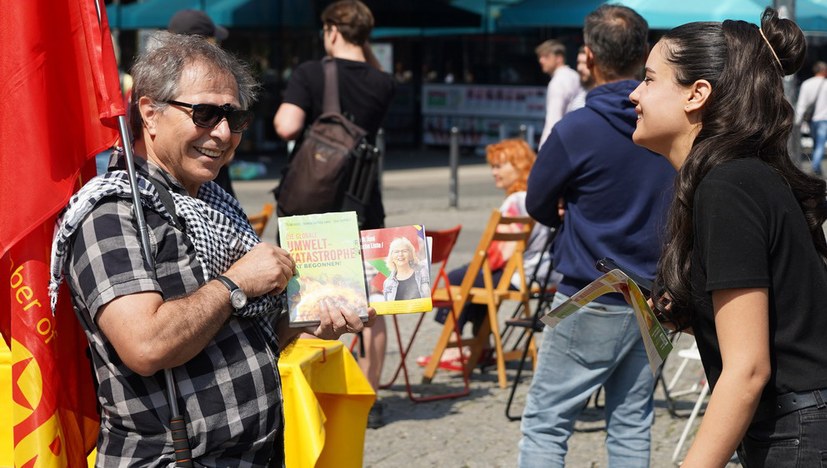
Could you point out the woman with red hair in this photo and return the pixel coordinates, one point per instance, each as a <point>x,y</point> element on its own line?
<point>511,161</point>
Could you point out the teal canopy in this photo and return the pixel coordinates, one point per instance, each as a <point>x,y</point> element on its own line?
<point>659,14</point>
<point>155,14</point>
<point>811,15</point>
<point>382,33</point>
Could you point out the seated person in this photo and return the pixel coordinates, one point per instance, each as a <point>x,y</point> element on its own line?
<point>511,161</point>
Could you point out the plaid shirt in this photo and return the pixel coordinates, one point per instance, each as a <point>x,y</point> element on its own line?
<point>230,392</point>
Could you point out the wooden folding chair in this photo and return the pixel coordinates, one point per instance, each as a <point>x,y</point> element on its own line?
<point>259,220</point>
<point>443,244</point>
<point>499,228</point>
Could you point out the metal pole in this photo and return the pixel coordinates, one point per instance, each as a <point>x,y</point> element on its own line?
<point>178,426</point>
<point>530,137</point>
<point>523,131</point>
<point>180,441</point>
<point>126,138</point>
<point>453,161</point>
<point>380,162</point>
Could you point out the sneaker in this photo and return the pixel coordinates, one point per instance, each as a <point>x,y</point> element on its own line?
<point>451,364</point>
<point>376,417</point>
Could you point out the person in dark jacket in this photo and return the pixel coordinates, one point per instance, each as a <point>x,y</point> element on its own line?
<point>614,196</point>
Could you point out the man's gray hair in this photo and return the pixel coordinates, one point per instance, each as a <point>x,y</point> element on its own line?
<point>157,72</point>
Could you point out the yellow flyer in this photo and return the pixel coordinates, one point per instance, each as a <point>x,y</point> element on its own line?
<point>398,269</point>
<point>655,341</point>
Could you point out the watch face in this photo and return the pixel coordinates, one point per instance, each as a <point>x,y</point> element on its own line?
<point>238,299</point>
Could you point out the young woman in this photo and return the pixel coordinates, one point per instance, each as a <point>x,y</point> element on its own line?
<point>744,267</point>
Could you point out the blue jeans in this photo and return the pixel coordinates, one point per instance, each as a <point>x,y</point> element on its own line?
<point>597,345</point>
<point>795,439</point>
<point>819,134</point>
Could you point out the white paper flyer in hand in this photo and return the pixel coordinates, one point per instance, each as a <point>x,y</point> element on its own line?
<point>654,336</point>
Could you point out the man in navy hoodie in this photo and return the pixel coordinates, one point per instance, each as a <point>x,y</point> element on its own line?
<point>614,196</point>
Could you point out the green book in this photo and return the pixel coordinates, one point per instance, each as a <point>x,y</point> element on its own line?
<point>329,265</point>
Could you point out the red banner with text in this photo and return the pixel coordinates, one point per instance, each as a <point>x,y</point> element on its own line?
<point>53,401</point>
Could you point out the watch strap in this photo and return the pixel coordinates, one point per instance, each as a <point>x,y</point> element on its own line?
<point>227,282</point>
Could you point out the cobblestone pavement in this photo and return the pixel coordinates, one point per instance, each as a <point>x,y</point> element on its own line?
<point>471,431</point>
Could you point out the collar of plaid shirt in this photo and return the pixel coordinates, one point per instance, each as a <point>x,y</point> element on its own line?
<point>216,225</point>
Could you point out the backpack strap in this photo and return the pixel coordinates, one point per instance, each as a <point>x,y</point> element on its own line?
<point>330,101</point>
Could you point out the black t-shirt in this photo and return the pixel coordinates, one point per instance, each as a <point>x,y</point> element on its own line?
<point>365,95</point>
<point>751,233</point>
<point>407,289</point>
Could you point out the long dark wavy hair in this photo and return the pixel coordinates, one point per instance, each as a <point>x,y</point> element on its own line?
<point>746,116</point>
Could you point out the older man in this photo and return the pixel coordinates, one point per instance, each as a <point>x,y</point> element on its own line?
<point>210,309</point>
<point>197,22</point>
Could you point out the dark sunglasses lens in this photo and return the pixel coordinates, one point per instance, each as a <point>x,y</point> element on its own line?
<point>239,120</point>
<point>206,115</point>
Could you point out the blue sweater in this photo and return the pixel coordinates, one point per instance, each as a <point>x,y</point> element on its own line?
<point>616,193</point>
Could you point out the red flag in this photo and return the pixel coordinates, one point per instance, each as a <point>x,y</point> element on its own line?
<point>59,98</point>
<point>59,81</point>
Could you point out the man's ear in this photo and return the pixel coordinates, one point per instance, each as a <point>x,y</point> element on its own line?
<point>149,114</point>
<point>698,95</point>
<point>589,57</point>
<point>334,33</point>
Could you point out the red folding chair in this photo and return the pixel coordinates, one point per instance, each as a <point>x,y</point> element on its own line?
<point>443,244</point>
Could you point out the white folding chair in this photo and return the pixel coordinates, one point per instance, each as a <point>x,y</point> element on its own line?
<point>700,386</point>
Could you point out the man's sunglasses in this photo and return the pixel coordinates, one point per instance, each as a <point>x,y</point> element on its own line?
<point>209,115</point>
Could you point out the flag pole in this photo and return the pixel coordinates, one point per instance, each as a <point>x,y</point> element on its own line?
<point>178,426</point>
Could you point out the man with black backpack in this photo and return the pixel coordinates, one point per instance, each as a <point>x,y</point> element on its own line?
<point>365,93</point>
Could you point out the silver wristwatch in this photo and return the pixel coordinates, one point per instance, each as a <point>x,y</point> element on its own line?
<point>238,299</point>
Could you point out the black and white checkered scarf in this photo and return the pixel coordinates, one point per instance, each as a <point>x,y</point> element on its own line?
<point>215,223</point>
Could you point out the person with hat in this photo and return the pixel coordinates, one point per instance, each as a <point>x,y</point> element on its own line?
<point>198,23</point>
